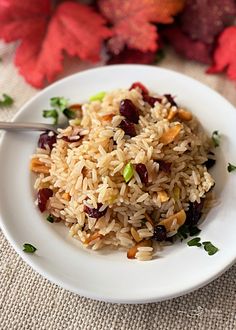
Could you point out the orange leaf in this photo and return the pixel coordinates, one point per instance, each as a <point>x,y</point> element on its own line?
<point>225,53</point>
<point>132,20</point>
<point>73,28</point>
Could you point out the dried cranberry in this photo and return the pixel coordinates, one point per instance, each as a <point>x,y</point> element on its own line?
<point>138,84</point>
<point>95,213</point>
<point>159,233</point>
<point>128,127</point>
<point>165,167</point>
<point>210,163</point>
<point>43,196</point>
<point>151,100</point>
<point>194,213</point>
<point>142,172</point>
<point>47,139</point>
<point>170,99</point>
<point>129,110</point>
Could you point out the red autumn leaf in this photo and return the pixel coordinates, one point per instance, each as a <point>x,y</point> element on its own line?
<point>132,20</point>
<point>204,19</point>
<point>193,50</point>
<point>132,56</point>
<point>73,27</point>
<point>225,53</point>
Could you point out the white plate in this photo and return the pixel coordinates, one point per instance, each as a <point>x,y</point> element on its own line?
<point>111,276</point>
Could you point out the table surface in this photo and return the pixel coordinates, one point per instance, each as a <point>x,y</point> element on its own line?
<point>28,301</point>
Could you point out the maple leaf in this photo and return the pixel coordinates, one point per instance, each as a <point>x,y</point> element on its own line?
<point>205,19</point>
<point>45,33</point>
<point>225,53</point>
<point>132,20</point>
<point>185,46</point>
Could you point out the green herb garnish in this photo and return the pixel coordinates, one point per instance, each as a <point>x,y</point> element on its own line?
<point>193,231</point>
<point>185,231</point>
<point>29,248</point>
<point>128,172</point>
<point>160,55</point>
<point>69,114</point>
<point>6,100</point>
<point>216,138</point>
<point>231,167</point>
<point>59,102</point>
<point>51,114</point>
<point>210,248</point>
<point>50,218</point>
<point>195,242</point>
<point>97,97</point>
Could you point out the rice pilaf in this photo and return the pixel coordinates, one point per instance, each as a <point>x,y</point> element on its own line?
<point>125,177</point>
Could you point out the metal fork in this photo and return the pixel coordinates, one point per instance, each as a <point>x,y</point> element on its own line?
<point>9,126</point>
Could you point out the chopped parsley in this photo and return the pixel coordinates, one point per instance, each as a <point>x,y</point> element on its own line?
<point>231,167</point>
<point>185,231</point>
<point>195,242</point>
<point>59,102</point>
<point>6,100</point>
<point>69,114</point>
<point>210,248</point>
<point>193,231</point>
<point>50,218</point>
<point>29,248</point>
<point>216,138</point>
<point>51,114</point>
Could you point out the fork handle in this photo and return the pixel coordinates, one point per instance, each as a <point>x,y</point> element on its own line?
<point>14,126</point>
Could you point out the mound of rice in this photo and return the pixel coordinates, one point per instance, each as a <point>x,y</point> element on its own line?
<point>85,168</point>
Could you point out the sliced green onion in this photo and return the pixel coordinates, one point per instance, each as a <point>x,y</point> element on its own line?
<point>60,102</point>
<point>29,248</point>
<point>69,114</point>
<point>231,167</point>
<point>216,138</point>
<point>51,114</point>
<point>97,97</point>
<point>75,122</point>
<point>6,100</point>
<point>128,172</point>
<point>210,248</point>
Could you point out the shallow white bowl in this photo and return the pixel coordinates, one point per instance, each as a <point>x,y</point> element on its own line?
<point>111,276</point>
